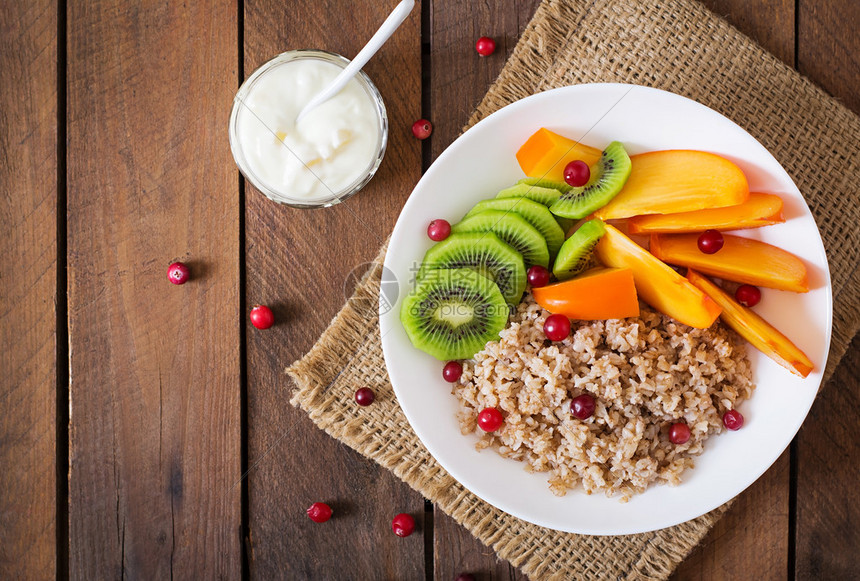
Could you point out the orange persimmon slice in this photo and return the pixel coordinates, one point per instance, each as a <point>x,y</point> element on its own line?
<point>761,334</point>
<point>600,293</point>
<point>545,154</point>
<point>740,260</point>
<point>656,283</point>
<point>759,210</point>
<point>668,182</point>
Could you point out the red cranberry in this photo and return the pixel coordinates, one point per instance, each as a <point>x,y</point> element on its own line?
<point>748,295</point>
<point>733,420</point>
<point>178,273</point>
<point>582,406</point>
<point>403,525</point>
<point>364,396</point>
<point>679,433</point>
<point>319,512</point>
<point>556,327</point>
<point>439,230</point>
<point>422,129</point>
<point>490,419</point>
<point>485,46</point>
<point>710,241</point>
<point>262,317</point>
<point>465,577</point>
<point>452,371</point>
<point>538,276</point>
<point>577,173</point>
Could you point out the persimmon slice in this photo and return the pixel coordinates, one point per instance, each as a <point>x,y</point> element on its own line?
<point>740,260</point>
<point>656,283</point>
<point>668,182</point>
<point>759,210</point>
<point>600,293</point>
<point>546,153</point>
<point>749,325</point>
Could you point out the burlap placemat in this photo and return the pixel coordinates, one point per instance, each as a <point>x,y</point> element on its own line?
<point>676,45</point>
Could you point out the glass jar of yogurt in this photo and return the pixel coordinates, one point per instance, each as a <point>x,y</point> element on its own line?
<point>328,156</point>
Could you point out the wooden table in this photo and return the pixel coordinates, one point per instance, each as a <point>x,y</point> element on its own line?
<point>146,430</point>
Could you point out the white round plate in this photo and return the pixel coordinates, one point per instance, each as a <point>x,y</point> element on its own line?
<point>482,162</point>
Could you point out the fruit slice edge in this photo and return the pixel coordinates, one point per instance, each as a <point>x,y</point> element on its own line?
<point>668,182</point>
<point>597,294</point>
<point>656,283</point>
<point>759,210</point>
<point>740,260</point>
<point>546,153</point>
<point>749,325</point>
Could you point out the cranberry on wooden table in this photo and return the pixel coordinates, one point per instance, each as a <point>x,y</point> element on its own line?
<point>178,273</point>
<point>422,129</point>
<point>403,525</point>
<point>319,512</point>
<point>485,46</point>
<point>262,317</point>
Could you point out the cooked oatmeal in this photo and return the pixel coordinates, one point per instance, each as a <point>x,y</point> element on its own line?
<point>644,373</point>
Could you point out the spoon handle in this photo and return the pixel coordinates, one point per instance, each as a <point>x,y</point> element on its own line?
<point>394,20</point>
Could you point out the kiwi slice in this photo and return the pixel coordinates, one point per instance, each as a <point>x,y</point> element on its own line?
<point>562,187</point>
<point>485,253</point>
<point>575,253</point>
<point>513,230</point>
<point>608,176</point>
<point>535,214</point>
<point>545,196</point>
<point>545,183</point>
<point>452,313</point>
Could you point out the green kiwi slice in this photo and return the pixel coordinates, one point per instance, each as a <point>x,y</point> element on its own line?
<point>485,253</point>
<point>575,253</point>
<point>563,188</point>
<point>535,214</point>
<point>545,196</point>
<point>513,230</point>
<point>608,176</point>
<point>545,183</point>
<point>452,313</point>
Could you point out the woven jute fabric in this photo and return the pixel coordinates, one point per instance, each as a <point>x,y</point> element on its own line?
<point>676,45</point>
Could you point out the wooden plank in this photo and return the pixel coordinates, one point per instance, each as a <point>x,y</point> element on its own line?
<point>828,504</point>
<point>456,551</point>
<point>829,49</point>
<point>298,261</point>
<point>769,22</point>
<point>752,540</point>
<point>28,287</point>
<point>459,78</point>
<point>155,443</point>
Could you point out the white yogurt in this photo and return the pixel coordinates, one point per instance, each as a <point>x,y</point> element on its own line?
<point>320,159</point>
